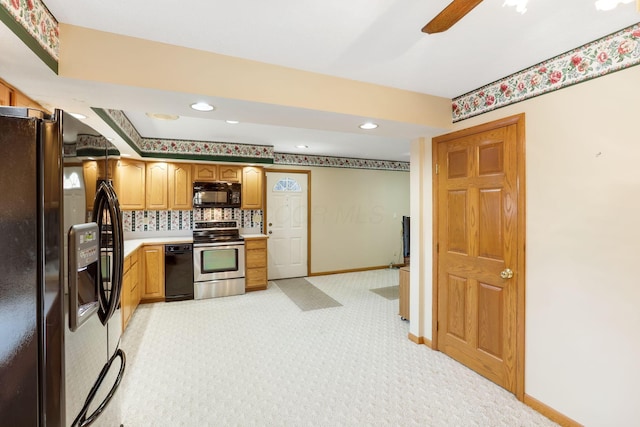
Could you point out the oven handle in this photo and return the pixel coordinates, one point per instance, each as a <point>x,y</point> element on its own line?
<point>216,245</point>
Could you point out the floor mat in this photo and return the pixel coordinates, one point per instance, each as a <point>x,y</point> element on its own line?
<point>305,295</point>
<point>389,292</point>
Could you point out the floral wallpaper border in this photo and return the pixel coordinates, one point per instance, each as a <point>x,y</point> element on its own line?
<point>127,130</point>
<point>612,53</point>
<point>150,146</point>
<point>35,18</point>
<point>89,145</point>
<point>339,162</point>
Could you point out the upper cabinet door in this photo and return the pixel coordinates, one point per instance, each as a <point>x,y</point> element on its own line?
<point>205,172</point>
<point>129,183</point>
<point>180,186</point>
<point>157,186</point>
<point>229,173</point>
<point>252,187</point>
<point>5,95</point>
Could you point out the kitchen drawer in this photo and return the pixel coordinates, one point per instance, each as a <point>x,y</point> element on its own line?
<point>256,276</point>
<point>255,244</point>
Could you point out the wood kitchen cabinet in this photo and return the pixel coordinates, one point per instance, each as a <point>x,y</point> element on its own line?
<point>205,172</point>
<point>156,186</point>
<point>404,293</point>
<point>229,173</point>
<point>255,250</point>
<point>153,265</point>
<point>252,187</point>
<point>180,186</point>
<point>21,100</point>
<point>93,170</point>
<point>90,175</point>
<point>5,94</point>
<point>130,296</point>
<point>212,172</point>
<point>10,96</point>
<point>129,183</point>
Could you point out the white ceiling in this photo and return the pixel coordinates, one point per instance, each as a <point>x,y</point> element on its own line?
<point>376,41</point>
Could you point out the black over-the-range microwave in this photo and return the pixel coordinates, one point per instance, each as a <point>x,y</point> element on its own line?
<point>216,194</point>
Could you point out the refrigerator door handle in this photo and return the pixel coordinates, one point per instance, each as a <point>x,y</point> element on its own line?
<point>106,201</point>
<point>82,420</point>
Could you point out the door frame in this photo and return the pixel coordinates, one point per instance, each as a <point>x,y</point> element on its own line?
<point>519,121</point>
<point>266,208</point>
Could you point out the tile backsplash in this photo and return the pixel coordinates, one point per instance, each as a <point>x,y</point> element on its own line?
<point>137,221</point>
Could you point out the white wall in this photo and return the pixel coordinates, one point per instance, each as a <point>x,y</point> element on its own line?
<point>356,217</point>
<point>583,247</point>
<point>421,239</point>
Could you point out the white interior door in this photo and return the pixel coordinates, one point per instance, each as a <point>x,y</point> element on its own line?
<point>287,226</point>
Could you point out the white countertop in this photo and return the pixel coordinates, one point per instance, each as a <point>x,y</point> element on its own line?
<point>131,245</point>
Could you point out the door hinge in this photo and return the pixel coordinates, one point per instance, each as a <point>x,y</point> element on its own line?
<point>437,168</point>
<point>437,248</point>
<point>437,326</point>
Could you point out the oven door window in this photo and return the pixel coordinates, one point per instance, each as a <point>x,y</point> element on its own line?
<point>219,260</point>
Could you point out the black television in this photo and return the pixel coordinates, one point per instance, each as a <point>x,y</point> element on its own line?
<point>405,236</point>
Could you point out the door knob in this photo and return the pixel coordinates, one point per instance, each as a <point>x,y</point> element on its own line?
<point>506,273</point>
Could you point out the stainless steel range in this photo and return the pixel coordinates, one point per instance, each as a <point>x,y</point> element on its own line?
<point>218,259</point>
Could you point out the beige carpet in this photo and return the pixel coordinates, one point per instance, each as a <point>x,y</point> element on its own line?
<point>305,295</point>
<point>259,360</point>
<point>388,292</point>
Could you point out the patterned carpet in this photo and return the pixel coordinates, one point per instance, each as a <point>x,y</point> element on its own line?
<point>258,360</point>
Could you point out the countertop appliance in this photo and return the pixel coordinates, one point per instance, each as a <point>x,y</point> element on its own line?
<point>218,259</point>
<point>216,194</point>
<point>60,364</point>
<point>178,272</point>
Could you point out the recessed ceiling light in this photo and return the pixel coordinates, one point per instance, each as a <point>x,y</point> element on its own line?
<point>202,106</point>
<point>78,116</point>
<point>160,116</point>
<point>368,126</point>
<point>109,139</point>
<point>302,146</point>
<point>232,122</point>
<point>125,155</point>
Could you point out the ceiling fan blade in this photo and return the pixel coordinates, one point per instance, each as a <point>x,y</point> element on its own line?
<point>451,14</point>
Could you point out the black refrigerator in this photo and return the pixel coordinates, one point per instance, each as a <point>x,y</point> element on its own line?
<point>60,279</point>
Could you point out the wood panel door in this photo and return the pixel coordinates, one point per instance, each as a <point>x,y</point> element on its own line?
<point>480,277</point>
